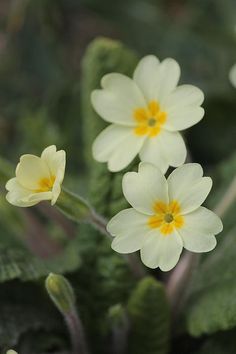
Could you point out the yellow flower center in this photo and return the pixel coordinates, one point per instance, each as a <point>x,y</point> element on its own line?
<point>149,119</point>
<point>167,217</point>
<point>46,184</point>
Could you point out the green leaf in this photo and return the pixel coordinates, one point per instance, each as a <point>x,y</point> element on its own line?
<point>21,264</point>
<point>210,305</point>
<point>16,320</point>
<point>150,318</point>
<point>222,177</point>
<point>211,302</point>
<point>22,310</point>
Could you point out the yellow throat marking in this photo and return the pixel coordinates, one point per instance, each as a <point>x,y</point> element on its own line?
<point>167,217</point>
<point>46,184</point>
<point>149,119</point>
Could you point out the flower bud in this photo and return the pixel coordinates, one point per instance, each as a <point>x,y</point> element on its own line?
<point>61,292</point>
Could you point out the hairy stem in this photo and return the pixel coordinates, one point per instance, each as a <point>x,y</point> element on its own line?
<point>76,331</point>
<point>78,209</point>
<point>181,275</point>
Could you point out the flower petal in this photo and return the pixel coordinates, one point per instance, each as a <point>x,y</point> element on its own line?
<point>30,170</point>
<point>38,197</point>
<point>107,141</point>
<point>143,188</point>
<point>173,147</point>
<point>22,197</point>
<point>118,100</point>
<point>183,178</point>
<point>183,96</point>
<point>203,221</point>
<point>169,74</point>
<point>232,75</point>
<point>130,228</point>
<point>17,195</point>
<point>125,152</point>
<point>161,251</point>
<point>56,190</point>
<point>195,196</point>
<point>146,76</point>
<point>184,118</point>
<point>152,152</point>
<point>183,107</point>
<point>188,187</point>
<point>195,241</point>
<point>48,152</point>
<point>56,162</point>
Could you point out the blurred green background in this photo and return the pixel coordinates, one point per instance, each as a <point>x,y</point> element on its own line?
<point>43,73</point>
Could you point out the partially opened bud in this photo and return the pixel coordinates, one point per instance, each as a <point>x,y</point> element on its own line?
<point>37,178</point>
<point>61,292</point>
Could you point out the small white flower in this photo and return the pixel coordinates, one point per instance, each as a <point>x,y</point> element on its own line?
<point>147,114</point>
<point>232,75</point>
<point>166,215</point>
<point>11,351</point>
<point>37,178</point>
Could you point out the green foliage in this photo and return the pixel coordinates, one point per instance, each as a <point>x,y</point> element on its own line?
<point>16,320</point>
<point>22,310</point>
<point>211,303</point>
<point>102,57</point>
<point>102,281</point>
<point>18,262</point>
<point>150,318</point>
<point>222,176</point>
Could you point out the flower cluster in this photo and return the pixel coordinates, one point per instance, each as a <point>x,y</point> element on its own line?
<point>146,114</point>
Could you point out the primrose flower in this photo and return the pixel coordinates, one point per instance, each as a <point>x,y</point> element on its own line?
<point>147,114</point>
<point>166,215</point>
<point>37,178</point>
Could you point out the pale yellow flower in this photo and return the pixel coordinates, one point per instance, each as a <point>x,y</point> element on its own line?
<point>166,215</point>
<point>146,114</point>
<point>37,178</point>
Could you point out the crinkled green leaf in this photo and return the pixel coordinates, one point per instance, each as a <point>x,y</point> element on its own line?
<point>20,263</point>
<point>149,314</point>
<point>212,300</point>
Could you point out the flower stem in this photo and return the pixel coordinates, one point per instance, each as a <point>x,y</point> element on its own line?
<point>77,209</point>
<point>181,275</point>
<point>76,333</point>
